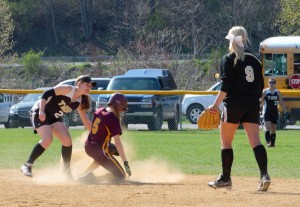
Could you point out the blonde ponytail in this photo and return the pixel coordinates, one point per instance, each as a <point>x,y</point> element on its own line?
<point>239,51</point>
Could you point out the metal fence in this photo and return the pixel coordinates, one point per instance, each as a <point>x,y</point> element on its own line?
<point>147,110</point>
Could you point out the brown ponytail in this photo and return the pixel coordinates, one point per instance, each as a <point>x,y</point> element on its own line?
<point>85,102</point>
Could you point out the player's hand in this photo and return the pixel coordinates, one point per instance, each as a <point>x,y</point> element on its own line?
<point>213,109</point>
<point>127,168</point>
<point>42,116</point>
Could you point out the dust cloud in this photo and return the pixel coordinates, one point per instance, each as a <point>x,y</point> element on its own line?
<point>150,170</point>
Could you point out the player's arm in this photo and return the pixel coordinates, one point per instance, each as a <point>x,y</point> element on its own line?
<point>120,149</point>
<point>219,99</point>
<point>62,90</point>
<point>227,77</point>
<point>45,97</point>
<point>55,91</point>
<point>282,104</point>
<point>58,90</point>
<point>84,118</point>
<point>262,100</point>
<point>42,115</point>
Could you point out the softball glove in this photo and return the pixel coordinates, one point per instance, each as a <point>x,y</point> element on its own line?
<point>209,120</point>
<point>112,149</point>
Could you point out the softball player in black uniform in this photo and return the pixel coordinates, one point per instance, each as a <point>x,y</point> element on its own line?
<point>242,86</point>
<point>270,99</point>
<point>46,117</point>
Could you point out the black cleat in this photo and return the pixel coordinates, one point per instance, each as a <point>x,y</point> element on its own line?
<point>264,183</point>
<point>220,183</point>
<point>26,169</point>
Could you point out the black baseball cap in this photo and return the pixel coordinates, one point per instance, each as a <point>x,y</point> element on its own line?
<point>86,79</point>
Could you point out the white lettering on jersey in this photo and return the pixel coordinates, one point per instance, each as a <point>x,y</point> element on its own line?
<point>272,98</point>
<point>64,109</point>
<point>59,114</point>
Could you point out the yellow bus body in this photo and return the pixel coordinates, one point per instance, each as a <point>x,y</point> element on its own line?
<point>281,60</point>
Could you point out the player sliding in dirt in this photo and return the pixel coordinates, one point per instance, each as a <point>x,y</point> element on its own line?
<point>105,126</point>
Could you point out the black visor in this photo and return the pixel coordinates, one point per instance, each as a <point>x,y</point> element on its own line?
<point>87,79</point>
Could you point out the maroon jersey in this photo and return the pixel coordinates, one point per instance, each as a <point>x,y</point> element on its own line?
<point>104,126</point>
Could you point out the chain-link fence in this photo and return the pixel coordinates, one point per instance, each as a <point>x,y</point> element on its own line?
<point>147,110</point>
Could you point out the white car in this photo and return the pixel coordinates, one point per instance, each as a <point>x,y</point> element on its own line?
<point>193,105</point>
<point>101,85</point>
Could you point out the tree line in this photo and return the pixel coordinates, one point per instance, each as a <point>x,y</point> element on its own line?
<point>140,27</point>
<point>140,33</point>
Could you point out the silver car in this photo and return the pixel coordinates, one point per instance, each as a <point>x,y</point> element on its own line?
<point>6,101</point>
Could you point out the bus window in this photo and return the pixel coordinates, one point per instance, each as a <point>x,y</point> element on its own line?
<point>275,64</point>
<point>297,63</point>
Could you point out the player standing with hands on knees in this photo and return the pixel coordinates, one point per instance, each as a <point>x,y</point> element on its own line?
<point>105,126</point>
<point>269,102</point>
<point>242,86</point>
<point>46,118</point>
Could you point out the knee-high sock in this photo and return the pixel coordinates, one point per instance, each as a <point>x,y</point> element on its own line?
<point>261,159</point>
<point>37,151</point>
<point>267,136</point>
<point>66,153</point>
<point>227,160</point>
<point>273,139</point>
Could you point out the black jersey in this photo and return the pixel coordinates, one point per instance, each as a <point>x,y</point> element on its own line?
<point>271,101</point>
<point>242,81</point>
<point>57,106</point>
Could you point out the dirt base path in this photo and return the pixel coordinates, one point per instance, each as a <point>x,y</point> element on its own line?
<point>183,190</point>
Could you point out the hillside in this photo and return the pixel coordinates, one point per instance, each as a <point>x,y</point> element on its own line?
<point>188,76</point>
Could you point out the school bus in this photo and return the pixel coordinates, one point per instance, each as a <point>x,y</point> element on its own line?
<point>281,60</point>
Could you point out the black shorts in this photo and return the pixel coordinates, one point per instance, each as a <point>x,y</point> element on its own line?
<point>272,117</point>
<point>36,123</point>
<point>235,116</point>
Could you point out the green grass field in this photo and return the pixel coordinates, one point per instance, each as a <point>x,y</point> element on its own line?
<point>191,152</point>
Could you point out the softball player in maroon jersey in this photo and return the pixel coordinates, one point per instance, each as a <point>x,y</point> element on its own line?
<point>242,86</point>
<point>105,126</point>
<point>46,117</point>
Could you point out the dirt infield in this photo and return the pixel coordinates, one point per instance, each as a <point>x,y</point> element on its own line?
<point>46,188</point>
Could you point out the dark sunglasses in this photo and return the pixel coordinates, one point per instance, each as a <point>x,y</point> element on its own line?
<point>272,82</point>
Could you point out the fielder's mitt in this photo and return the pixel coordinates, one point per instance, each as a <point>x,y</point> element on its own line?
<point>112,149</point>
<point>209,120</point>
